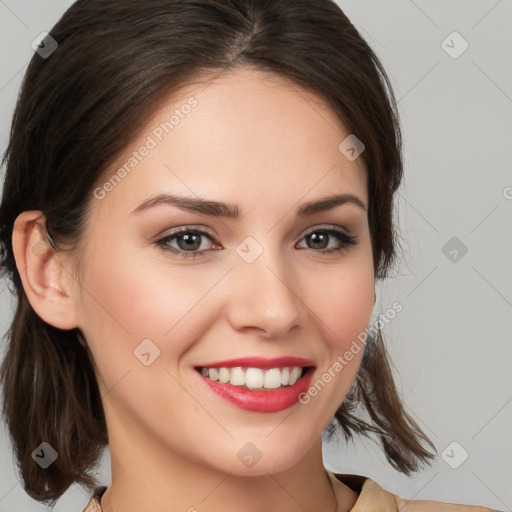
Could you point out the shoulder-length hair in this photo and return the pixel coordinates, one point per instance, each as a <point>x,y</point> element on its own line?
<point>78,109</point>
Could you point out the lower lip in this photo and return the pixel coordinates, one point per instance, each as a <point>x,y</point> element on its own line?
<point>273,400</point>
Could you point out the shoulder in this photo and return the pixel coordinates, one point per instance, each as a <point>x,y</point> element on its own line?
<point>94,502</point>
<point>373,498</point>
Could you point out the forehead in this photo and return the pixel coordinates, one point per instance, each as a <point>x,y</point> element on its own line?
<point>246,135</point>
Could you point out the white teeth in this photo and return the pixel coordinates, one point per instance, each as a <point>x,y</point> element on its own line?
<point>224,375</point>
<point>294,375</point>
<point>237,376</point>
<point>285,376</point>
<point>255,378</point>
<point>272,379</point>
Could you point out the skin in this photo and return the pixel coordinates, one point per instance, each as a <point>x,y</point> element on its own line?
<point>268,146</point>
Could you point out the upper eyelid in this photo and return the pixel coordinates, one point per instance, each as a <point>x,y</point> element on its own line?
<point>203,230</point>
<point>320,228</point>
<point>187,228</point>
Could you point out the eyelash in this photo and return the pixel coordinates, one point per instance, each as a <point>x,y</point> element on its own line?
<point>345,239</point>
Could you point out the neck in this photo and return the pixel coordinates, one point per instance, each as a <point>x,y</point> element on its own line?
<point>147,476</point>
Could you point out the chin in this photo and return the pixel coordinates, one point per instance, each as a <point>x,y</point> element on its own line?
<point>260,456</point>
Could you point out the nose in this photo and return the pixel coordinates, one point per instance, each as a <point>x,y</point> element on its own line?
<point>264,297</point>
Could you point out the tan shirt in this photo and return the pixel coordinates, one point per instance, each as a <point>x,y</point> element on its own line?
<point>372,498</point>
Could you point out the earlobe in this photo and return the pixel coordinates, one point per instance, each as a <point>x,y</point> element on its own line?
<point>47,283</point>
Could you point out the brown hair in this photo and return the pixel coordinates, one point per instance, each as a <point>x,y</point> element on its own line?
<point>79,108</point>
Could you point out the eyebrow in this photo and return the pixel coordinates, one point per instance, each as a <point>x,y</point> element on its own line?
<point>231,211</point>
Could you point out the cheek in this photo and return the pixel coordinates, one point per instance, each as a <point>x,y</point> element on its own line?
<point>129,300</point>
<point>344,303</point>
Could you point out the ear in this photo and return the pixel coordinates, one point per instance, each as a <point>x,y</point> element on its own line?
<point>47,282</point>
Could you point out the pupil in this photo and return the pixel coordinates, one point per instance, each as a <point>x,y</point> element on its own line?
<point>190,241</point>
<point>319,238</point>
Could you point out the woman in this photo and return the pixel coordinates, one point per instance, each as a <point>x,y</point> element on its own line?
<point>198,201</point>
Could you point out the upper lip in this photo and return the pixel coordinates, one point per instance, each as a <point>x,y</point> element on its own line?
<point>260,362</point>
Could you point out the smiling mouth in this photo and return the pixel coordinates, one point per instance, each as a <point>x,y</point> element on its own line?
<point>253,378</point>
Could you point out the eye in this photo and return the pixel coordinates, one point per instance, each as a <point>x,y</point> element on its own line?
<point>188,243</point>
<point>320,238</point>
<point>192,243</point>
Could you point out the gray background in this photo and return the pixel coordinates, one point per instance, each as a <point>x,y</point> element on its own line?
<point>451,343</point>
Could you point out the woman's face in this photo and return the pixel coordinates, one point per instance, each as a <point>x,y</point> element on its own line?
<point>156,305</point>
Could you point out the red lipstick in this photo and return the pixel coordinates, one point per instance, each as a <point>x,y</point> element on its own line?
<point>260,362</point>
<point>257,400</point>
